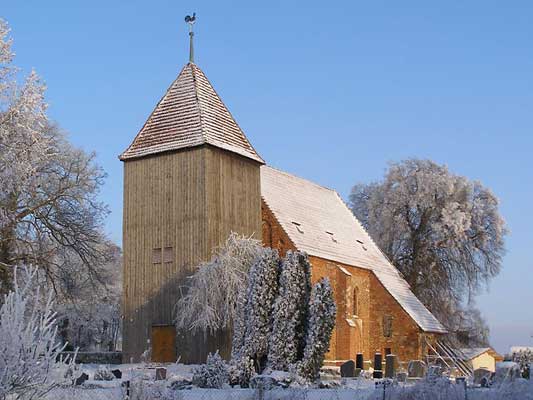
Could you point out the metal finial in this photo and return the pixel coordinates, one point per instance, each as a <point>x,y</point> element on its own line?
<point>191,20</point>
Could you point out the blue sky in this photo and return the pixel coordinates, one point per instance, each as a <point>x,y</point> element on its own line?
<point>328,92</point>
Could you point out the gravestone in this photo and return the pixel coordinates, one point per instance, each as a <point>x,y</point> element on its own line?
<point>160,374</point>
<point>348,369</point>
<point>378,366</point>
<point>82,378</point>
<point>390,365</point>
<point>416,369</point>
<point>435,370</point>
<point>117,373</point>
<point>401,377</point>
<point>359,361</point>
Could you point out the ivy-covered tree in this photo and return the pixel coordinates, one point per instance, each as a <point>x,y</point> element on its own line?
<point>255,314</point>
<point>290,312</point>
<point>321,321</point>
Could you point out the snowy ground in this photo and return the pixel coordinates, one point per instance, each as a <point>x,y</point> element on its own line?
<point>145,387</point>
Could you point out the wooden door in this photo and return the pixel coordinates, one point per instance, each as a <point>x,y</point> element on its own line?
<point>163,343</point>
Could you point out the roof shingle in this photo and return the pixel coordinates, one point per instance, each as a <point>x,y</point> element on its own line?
<point>190,114</point>
<point>319,222</point>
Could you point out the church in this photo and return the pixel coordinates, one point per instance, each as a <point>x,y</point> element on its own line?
<point>191,177</point>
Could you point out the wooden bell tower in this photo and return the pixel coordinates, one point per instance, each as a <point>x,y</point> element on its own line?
<point>190,178</point>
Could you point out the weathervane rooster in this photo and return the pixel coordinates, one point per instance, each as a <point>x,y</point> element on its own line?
<point>191,20</point>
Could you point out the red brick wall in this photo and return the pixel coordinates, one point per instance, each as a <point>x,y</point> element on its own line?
<point>273,234</point>
<point>351,332</point>
<point>405,333</point>
<point>363,332</point>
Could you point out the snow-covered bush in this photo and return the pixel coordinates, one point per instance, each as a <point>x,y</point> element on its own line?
<point>29,346</point>
<point>290,312</point>
<point>210,298</point>
<point>241,370</point>
<point>213,374</point>
<point>321,321</point>
<point>103,374</point>
<point>254,314</point>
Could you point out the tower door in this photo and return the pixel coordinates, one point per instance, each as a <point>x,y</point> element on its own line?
<point>163,343</point>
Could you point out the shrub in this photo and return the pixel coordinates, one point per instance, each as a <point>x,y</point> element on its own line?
<point>213,374</point>
<point>103,374</point>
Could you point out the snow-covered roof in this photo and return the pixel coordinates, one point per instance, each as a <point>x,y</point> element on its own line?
<point>318,222</point>
<point>473,352</point>
<point>190,114</point>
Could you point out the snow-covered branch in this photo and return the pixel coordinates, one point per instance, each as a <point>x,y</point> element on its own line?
<point>210,298</point>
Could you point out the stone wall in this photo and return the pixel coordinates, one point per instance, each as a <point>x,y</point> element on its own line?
<point>96,357</point>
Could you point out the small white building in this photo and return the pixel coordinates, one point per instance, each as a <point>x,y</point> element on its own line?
<point>482,357</point>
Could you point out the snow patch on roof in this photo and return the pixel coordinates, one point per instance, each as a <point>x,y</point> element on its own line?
<point>471,353</point>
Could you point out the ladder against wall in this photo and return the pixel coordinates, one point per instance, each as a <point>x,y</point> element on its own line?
<point>446,355</point>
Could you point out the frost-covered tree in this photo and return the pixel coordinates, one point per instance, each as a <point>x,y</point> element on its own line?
<point>210,298</point>
<point>470,328</point>
<point>29,345</point>
<point>321,321</point>
<point>290,312</point>
<point>254,313</point>
<point>442,231</point>
<point>49,209</point>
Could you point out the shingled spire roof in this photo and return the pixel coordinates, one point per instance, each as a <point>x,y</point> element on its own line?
<point>190,114</point>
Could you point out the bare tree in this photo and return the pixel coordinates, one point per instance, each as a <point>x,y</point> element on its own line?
<point>49,212</point>
<point>442,231</point>
<point>90,315</point>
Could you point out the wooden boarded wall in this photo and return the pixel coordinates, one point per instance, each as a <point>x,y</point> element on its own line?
<point>233,196</point>
<point>185,202</point>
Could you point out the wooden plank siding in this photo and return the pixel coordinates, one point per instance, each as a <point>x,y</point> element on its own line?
<point>189,200</point>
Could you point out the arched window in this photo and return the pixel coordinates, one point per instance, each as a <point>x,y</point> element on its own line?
<point>355,301</point>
